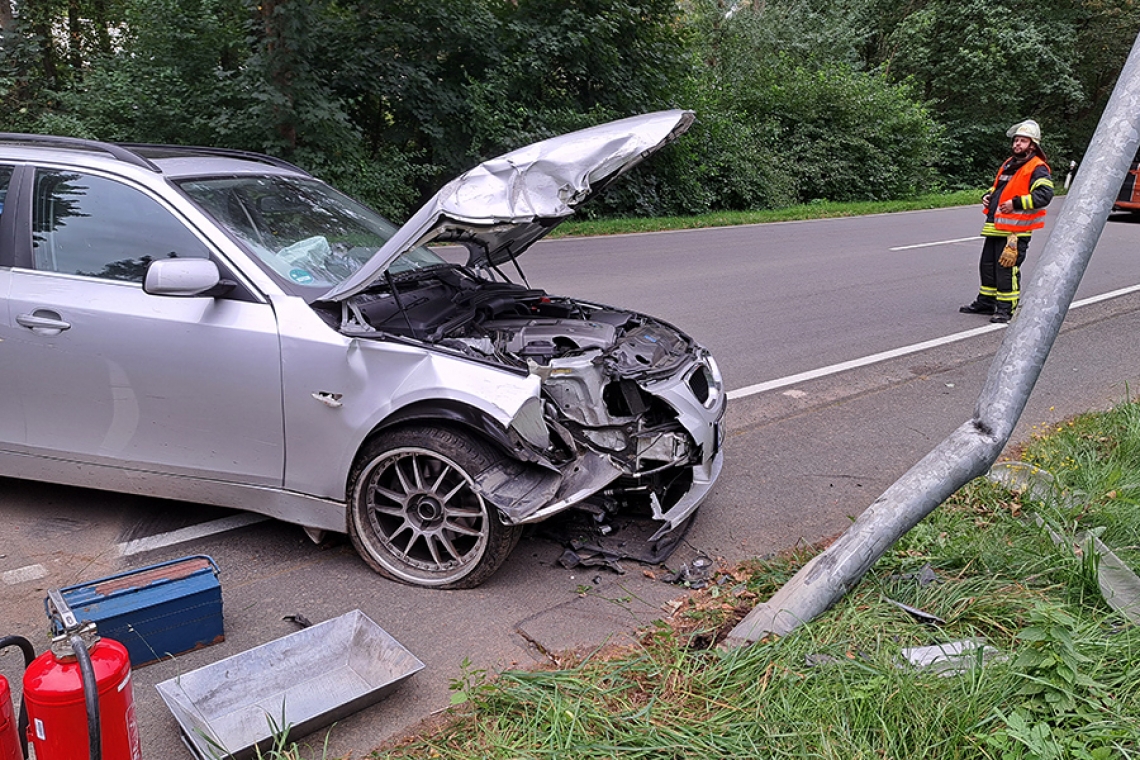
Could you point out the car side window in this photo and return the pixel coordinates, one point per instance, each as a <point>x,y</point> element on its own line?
<point>97,227</point>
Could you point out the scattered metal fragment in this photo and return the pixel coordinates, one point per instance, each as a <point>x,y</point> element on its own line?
<point>695,573</point>
<point>1022,476</point>
<point>920,615</point>
<point>1118,583</point>
<point>304,680</point>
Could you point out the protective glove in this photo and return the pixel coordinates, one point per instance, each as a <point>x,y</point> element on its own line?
<point>1009,254</point>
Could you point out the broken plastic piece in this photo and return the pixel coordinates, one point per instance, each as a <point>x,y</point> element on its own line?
<point>299,619</point>
<point>953,657</point>
<point>627,538</point>
<point>569,559</point>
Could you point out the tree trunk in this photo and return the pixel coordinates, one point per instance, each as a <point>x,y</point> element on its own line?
<point>279,70</point>
<point>6,18</point>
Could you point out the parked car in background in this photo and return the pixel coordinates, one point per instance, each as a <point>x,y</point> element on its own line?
<point>221,327</point>
<point>1129,197</point>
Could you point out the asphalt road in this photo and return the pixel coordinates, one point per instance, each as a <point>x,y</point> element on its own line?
<point>772,302</point>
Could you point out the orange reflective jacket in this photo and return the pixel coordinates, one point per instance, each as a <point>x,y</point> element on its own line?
<point>1025,219</point>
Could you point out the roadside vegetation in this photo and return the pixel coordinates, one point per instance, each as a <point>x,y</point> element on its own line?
<point>1056,678</point>
<point>797,101</point>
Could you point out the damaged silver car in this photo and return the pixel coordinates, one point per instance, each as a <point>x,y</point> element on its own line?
<point>221,327</point>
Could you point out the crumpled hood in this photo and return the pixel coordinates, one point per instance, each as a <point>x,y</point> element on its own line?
<point>501,206</point>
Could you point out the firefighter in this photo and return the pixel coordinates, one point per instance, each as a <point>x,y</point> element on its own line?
<point>1014,207</point>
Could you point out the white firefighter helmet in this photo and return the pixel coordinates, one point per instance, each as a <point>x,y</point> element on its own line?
<point>1027,128</point>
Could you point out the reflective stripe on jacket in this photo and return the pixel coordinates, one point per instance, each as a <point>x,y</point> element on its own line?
<point>1020,189</point>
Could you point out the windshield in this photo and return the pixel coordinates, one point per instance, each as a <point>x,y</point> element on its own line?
<point>301,229</point>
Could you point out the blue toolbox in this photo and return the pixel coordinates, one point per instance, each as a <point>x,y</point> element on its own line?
<point>154,611</point>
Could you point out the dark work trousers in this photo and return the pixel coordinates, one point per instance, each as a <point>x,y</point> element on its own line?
<point>1001,285</point>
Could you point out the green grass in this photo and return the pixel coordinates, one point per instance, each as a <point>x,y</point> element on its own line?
<point>1064,685</point>
<point>820,210</point>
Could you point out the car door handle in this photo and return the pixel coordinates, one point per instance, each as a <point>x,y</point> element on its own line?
<point>43,322</point>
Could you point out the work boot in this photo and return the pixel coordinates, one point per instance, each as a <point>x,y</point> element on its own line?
<point>1001,316</point>
<point>978,307</point>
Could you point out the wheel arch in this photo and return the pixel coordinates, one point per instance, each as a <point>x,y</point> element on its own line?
<point>452,413</point>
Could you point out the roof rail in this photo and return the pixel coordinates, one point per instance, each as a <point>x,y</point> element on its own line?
<point>176,150</point>
<point>135,153</point>
<point>117,151</point>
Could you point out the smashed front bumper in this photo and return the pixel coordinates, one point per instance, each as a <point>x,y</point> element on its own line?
<point>609,466</point>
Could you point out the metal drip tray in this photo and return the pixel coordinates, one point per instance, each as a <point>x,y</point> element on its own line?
<point>300,682</point>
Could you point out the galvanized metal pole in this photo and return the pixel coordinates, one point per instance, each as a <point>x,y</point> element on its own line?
<point>971,449</point>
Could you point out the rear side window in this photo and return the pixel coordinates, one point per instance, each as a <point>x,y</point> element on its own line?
<point>96,227</point>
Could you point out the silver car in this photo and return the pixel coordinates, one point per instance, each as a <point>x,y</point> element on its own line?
<point>221,327</point>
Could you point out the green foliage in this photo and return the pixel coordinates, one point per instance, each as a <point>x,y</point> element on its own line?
<point>1096,461</point>
<point>986,65</point>
<point>853,136</point>
<point>1050,664</point>
<point>180,68</point>
<point>1058,704</point>
<point>791,124</point>
<point>402,68</point>
<point>472,684</point>
<point>565,66</point>
<point>797,100</point>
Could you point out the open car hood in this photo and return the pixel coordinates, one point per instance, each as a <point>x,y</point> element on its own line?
<point>497,209</point>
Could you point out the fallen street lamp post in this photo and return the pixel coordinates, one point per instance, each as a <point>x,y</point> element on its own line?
<point>971,449</point>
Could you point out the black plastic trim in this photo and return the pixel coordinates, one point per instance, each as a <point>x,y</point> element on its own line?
<point>443,410</point>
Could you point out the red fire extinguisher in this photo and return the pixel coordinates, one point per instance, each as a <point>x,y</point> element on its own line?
<point>13,743</point>
<point>84,680</point>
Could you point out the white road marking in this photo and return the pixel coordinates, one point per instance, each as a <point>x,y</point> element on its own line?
<point>23,574</point>
<point>814,374</point>
<point>937,242</point>
<point>191,533</point>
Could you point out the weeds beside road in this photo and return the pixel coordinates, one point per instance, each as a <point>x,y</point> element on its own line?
<point>1059,677</point>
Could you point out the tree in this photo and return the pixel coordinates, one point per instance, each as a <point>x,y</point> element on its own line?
<point>796,118</point>
<point>984,65</point>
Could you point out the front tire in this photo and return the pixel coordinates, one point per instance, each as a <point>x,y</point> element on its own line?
<point>415,515</point>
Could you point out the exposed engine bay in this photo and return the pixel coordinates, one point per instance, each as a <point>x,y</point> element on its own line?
<point>597,364</point>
